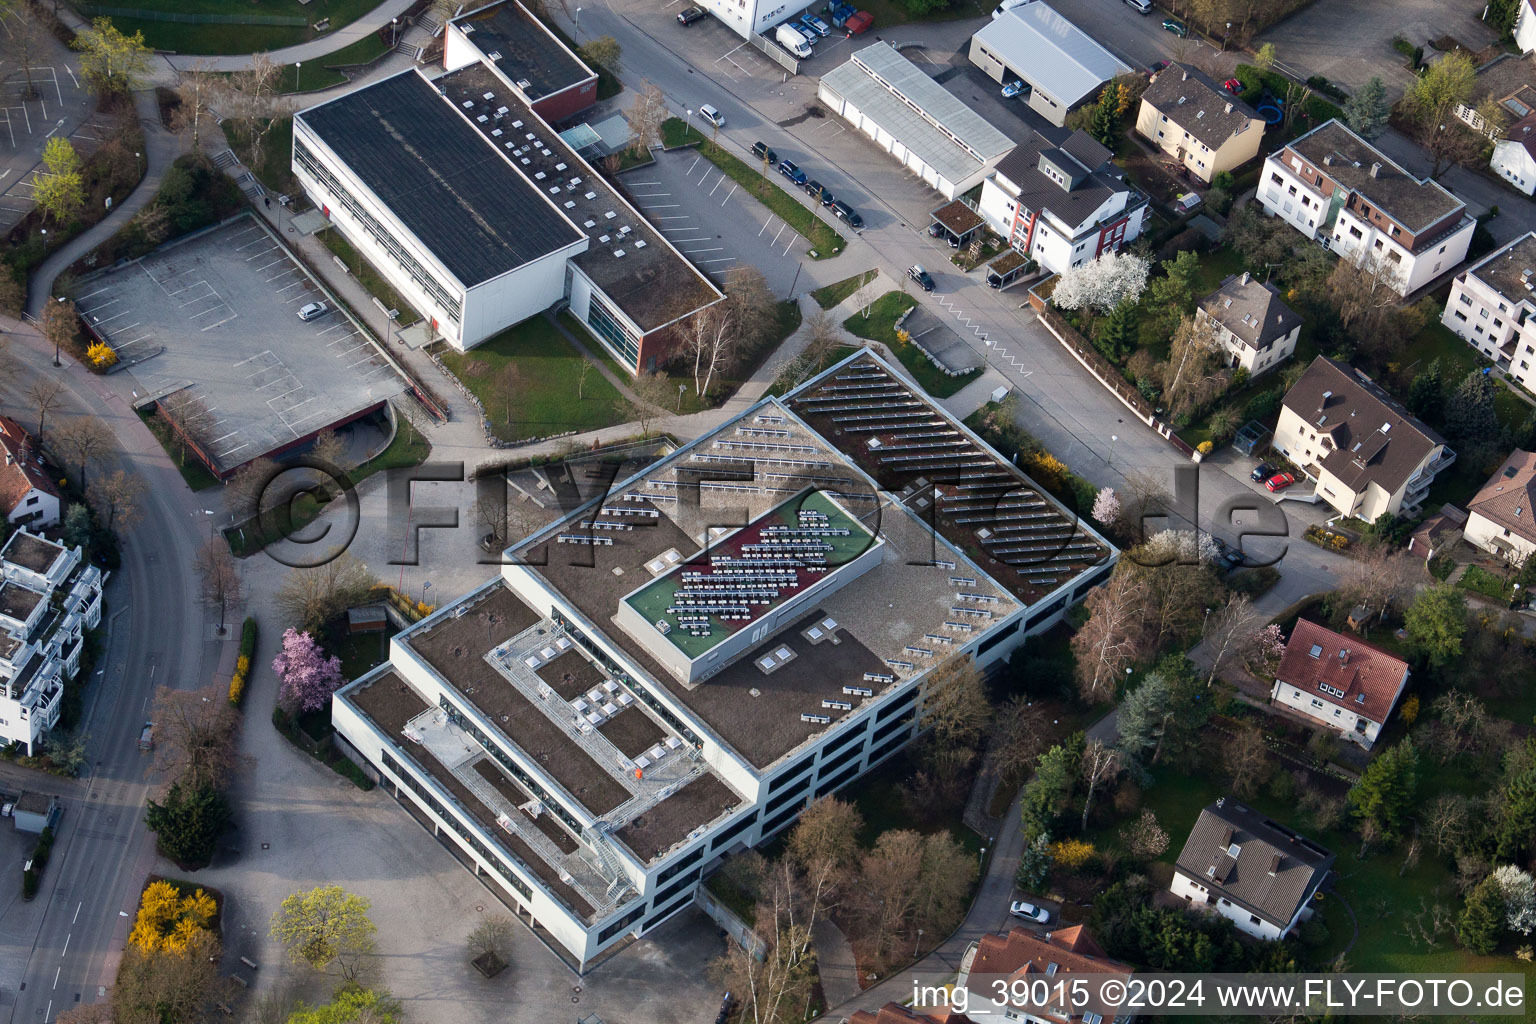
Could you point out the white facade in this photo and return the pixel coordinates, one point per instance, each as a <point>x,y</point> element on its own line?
<point>1525,27</point>
<point>33,666</point>
<point>1302,443</point>
<point>36,508</point>
<point>1482,532</point>
<point>1502,328</point>
<point>1329,714</point>
<point>1513,162</point>
<point>1200,897</point>
<point>1046,238</point>
<point>1254,360</point>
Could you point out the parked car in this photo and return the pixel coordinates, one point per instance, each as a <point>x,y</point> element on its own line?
<point>147,737</point>
<point>1229,557</point>
<point>1012,89</point>
<point>1029,911</point>
<point>921,276</point>
<point>845,212</point>
<point>815,24</point>
<point>792,172</point>
<point>859,22</point>
<point>1176,26</point>
<point>1263,471</point>
<point>793,40</point>
<point>1232,86</point>
<point>762,152</point>
<point>1157,66</point>
<point>690,15</point>
<point>819,192</point>
<point>1280,481</point>
<point>313,311</point>
<point>712,114</point>
<point>1140,6</point>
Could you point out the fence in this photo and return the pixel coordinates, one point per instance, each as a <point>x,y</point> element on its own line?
<point>284,20</point>
<point>776,53</point>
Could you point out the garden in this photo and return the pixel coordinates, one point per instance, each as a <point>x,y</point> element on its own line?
<point>176,25</point>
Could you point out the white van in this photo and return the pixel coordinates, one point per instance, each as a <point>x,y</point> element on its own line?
<point>1008,5</point>
<point>793,40</point>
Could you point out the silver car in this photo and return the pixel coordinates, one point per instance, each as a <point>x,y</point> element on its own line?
<point>313,311</point>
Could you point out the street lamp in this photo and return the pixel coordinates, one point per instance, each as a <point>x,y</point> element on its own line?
<point>56,346</point>
<point>578,23</point>
<point>918,943</point>
<point>1224,37</point>
<point>681,387</point>
<point>394,34</point>
<point>1112,439</point>
<point>687,123</point>
<point>298,66</point>
<point>426,586</point>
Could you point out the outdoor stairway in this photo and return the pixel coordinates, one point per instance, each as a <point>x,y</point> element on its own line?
<point>250,186</point>
<point>411,50</point>
<point>597,840</point>
<point>225,159</point>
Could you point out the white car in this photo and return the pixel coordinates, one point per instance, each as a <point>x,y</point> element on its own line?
<point>1029,911</point>
<point>712,115</point>
<point>313,311</point>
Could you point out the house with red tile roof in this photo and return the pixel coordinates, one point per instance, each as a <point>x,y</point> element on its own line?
<point>27,495</point>
<point>895,1013</point>
<point>1499,517</point>
<point>1020,957</point>
<point>1339,681</point>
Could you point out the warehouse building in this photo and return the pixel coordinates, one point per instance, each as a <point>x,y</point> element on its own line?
<point>481,216</point>
<point>1061,66</point>
<point>645,689</point>
<point>912,117</point>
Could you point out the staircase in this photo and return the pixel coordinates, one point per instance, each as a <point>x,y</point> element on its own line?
<point>411,50</point>
<point>225,159</point>
<point>247,183</point>
<point>597,841</point>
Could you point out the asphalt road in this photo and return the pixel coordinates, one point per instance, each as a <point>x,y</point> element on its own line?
<point>65,940</point>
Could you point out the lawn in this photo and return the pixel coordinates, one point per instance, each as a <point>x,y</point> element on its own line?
<point>880,325</point>
<point>527,377</point>
<point>825,242</point>
<point>182,37</point>
<point>1481,581</point>
<point>1215,267</point>
<point>408,448</point>
<point>368,277</point>
<point>192,471</point>
<point>275,168</point>
<point>320,74</point>
<point>359,652</point>
<point>879,798</point>
<point>831,295</point>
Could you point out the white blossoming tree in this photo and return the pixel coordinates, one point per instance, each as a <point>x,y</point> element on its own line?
<point>1518,890</point>
<point>1103,283</point>
<point>1106,507</point>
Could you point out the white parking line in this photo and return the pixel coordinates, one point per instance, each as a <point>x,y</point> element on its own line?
<point>662,206</point>
<point>719,259</point>
<point>777,233</point>
<point>691,166</point>
<point>226,320</point>
<point>734,187</point>
<point>645,183</point>
<point>674,216</point>
<point>274,263</point>
<point>717,184</point>
<point>766,226</point>
<point>716,248</point>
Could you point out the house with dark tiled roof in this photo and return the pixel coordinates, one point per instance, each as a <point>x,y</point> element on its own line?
<point>1254,326</point>
<point>1366,453</point>
<point>1253,871</point>
<point>27,495</point>
<point>1197,122</point>
<point>1020,956</point>
<point>1499,517</point>
<point>1339,681</point>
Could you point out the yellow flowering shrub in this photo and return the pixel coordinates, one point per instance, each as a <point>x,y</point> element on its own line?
<point>168,920</point>
<point>100,354</point>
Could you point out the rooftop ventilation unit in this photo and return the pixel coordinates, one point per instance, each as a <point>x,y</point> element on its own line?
<point>488,96</point>
<point>523,83</point>
<point>618,254</point>
<point>494,55</point>
<point>640,243</point>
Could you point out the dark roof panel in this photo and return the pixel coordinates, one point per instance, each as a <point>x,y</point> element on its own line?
<point>528,51</point>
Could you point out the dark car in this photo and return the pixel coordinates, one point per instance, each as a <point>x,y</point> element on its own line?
<point>690,15</point>
<point>1262,472</point>
<point>762,152</point>
<point>817,191</point>
<point>1157,66</point>
<point>847,213</point>
<point>921,276</point>
<point>792,172</point>
<point>1176,26</point>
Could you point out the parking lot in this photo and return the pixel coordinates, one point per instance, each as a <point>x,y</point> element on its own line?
<point>60,105</point>
<point>714,221</point>
<point>215,318</point>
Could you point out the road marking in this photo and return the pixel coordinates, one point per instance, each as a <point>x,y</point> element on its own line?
<point>721,259</point>
<point>224,321</point>
<point>77,912</point>
<point>734,187</point>
<point>777,233</point>
<point>645,183</point>
<point>662,206</point>
<point>717,248</point>
<point>691,166</point>
<point>767,225</point>
<point>65,950</point>
<point>675,216</point>
<point>56,972</point>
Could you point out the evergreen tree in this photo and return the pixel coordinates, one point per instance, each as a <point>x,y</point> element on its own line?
<point>1118,335</point>
<point>1105,123</point>
<point>1436,623</point>
<point>1046,795</point>
<point>1385,793</point>
<point>1366,111</point>
<point>1426,395</point>
<point>77,526</point>
<point>1471,423</point>
<point>1482,920</point>
<point>1172,296</point>
<point>1525,434</point>
<point>1514,827</point>
<point>188,824</point>
<point>1035,863</point>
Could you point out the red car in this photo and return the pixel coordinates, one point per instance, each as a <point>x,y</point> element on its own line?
<point>1232,86</point>
<point>1280,481</point>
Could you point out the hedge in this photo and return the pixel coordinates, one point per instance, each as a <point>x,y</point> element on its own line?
<point>31,877</point>
<point>243,663</point>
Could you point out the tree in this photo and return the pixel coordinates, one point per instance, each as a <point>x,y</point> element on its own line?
<point>1110,640</point>
<point>252,100</point>
<point>1144,838</point>
<point>654,391</point>
<point>1106,507</point>
<point>188,824</point>
<point>1144,497</point>
<point>325,926</point>
<point>1099,764</point>
<point>193,421</point>
<point>1461,723</point>
<point>492,939</point>
<point>1264,58</point>
<point>44,393</point>
<point>1385,794</point>
<point>1021,732</point>
<point>587,366</point>
<point>1513,808</point>
<point>1426,395</point>
<point>1471,422</point>
<point>308,676</point>
<point>1045,796</point>
<point>77,527</point>
<point>1482,919</point>
<point>311,596</point>
<point>1379,578</point>
<point>1035,863</point>
<point>247,487</point>
<point>167,987</point>
<point>329,448</point>
<point>1366,111</point>
<point>27,39</point>
<point>944,879</point>
<point>111,61</point>
<point>1117,336</point>
<point>219,575</point>
<point>708,340</point>
<point>1296,97</point>
<point>58,190</point>
<point>1102,283</point>
<point>1446,824</point>
<point>86,439</point>
<point>955,704</point>
<point>1430,103</point>
<point>646,114</point>
<point>511,387</point>
<point>11,294</point>
<point>167,919</point>
<point>1363,290</point>
<point>1104,124</point>
<point>351,1005</point>
<point>1171,296</point>
<point>117,496</point>
<point>1143,719</point>
<point>1231,633</point>
<point>772,987</point>
<point>1194,375</point>
<point>1247,761</point>
<point>603,52</point>
<point>1436,622</point>
<point>194,736</point>
<point>197,90</point>
<point>1517,891</point>
<point>1263,242</point>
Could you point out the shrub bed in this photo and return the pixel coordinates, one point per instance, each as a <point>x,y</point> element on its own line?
<point>32,876</point>
<point>243,662</point>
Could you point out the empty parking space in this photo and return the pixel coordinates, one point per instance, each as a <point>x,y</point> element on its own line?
<point>55,105</point>
<point>215,320</point>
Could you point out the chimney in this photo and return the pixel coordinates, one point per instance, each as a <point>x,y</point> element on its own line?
<point>1229,107</point>
<point>1343,655</point>
<point>1185,76</point>
<point>1375,168</point>
<point>1328,159</point>
<point>1246,277</point>
<point>1274,864</point>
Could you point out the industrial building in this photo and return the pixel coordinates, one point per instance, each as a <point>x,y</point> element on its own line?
<point>675,669</point>
<point>915,119</point>
<point>1062,67</point>
<point>478,213</point>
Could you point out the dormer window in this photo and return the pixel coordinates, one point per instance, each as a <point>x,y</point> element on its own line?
<point>1052,968</point>
<point>1233,850</point>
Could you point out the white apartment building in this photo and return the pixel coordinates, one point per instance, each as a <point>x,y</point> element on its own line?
<point>50,596</point>
<point>1333,186</point>
<point>1254,327</point>
<point>593,767</point>
<point>28,496</point>
<point>1062,205</point>
<point>1525,26</point>
<point>1491,306</point>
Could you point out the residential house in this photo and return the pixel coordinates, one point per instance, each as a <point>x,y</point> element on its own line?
<point>1197,122</point>
<point>1439,533</point>
<point>1340,682</point>
<point>1491,306</point>
<point>1525,26</point>
<point>1062,204</point>
<point>1366,453</point>
<point>28,496</point>
<point>1255,872</point>
<point>1514,156</point>
<point>1333,186</point>
<point>1022,956</point>
<point>1062,67</point>
<point>1499,517</point>
<point>1255,328</point>
<point>1509,81</point>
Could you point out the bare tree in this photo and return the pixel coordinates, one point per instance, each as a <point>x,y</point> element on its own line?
<point>191,417</point>
<point>86,439</point>
<point>117,497</point>
<point>251,100</point>
<point>1446,824</point>
<point>1463,722</point>
<point>824,845</point>
<point>1193,375</point>
<point>1247,760</point>
<point>772,986</point>
<point>44,393</point>
<point>1144,496</point>
<point>312,596</point>
<point>492,938</point>
<point>512,386</point>
<point>587,366</point>
<point>754,306</point>
<point>220,576</point>
<point>653,391</point>
<point>1099,764</point>
<point>1363,288</point>
<point>194,735</point>
<point>329,447</point>
<point>1296,97</point>
<point>1022,732</point>
<point>646,115</point>
<point>955,703</point>
<point>26,40</point>
<point>1229,632</point>
<point>708,339</point>
<point>197,90</point>
<point>246,488</point>
<point>1110,640</point>
<point>1379,578</point>
<point>1144,838</point>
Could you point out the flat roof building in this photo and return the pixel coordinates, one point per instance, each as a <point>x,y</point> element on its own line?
<point>915,119</point>
<point>1492,307</point>
<point>553,81</point>
<point>1062,66</point>
<point>675,669</point>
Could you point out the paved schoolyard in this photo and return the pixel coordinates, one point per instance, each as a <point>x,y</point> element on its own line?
<point>216,317</point>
